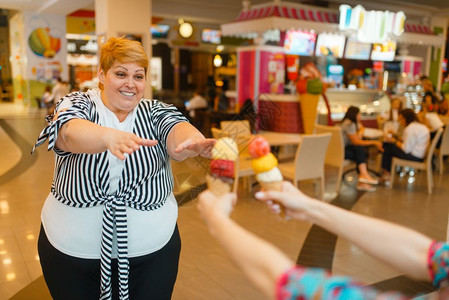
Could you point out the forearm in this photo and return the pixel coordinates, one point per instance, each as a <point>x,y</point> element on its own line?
<point>81,136</point>
<point>261,262</point>
<point>179,134</point>
<point>400,247</point>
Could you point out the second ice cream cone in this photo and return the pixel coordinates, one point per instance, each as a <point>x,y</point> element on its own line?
<point>274,186</point>
<point>271,186</point>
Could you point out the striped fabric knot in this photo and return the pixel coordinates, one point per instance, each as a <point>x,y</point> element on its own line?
<point>114,215</point>
<point>49,133</point>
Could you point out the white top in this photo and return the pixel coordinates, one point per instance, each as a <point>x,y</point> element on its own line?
<point>433,121</point>
<point>196,102</point>
<point>77,231</point>
<point>416,138</point>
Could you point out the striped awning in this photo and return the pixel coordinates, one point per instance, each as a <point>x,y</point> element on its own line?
<point>283,11</point>
<point>280,15</point>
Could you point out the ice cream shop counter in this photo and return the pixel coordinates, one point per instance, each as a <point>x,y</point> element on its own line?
<point>280,113</point>
<point>298,113</point>
<point>288,113</point>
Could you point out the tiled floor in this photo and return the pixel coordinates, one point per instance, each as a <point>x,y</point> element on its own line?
<point>205,270</point>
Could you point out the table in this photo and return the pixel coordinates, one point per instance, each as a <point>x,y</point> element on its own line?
<point>373,133</point>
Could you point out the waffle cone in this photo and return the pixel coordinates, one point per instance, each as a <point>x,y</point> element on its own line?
<point>218,186</point>
<point>274,186</point>
<point>271,186</point>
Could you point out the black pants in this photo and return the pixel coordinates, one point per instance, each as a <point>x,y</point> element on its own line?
<point>151,276</point>
<point>357,154</point>
<point>390,151</point>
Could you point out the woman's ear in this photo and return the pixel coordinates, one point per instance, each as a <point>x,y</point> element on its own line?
<point>101,75</point>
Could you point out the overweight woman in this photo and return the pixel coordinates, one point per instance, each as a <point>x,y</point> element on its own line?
<point>109,223</point>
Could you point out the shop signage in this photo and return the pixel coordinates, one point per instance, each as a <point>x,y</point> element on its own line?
<point>371,26</point>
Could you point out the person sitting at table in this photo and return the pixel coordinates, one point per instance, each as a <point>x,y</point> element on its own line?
<point>196,102</point>
<point>221,102</point>
<point>389,120</point>
<point>431,120</point>
<point>352,130</point>
<point>443,107</point>
<point>279,277</point>
<point>413,145</point>
<point>430,96</point>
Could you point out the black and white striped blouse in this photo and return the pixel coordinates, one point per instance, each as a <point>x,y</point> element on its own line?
<point>82,180</point>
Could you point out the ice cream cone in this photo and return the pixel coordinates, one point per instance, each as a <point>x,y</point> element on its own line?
<point>274,186</point>
<point>218,186</point>
<point>271,186</point>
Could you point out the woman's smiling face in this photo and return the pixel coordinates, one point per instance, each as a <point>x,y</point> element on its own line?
<point>124,85</point>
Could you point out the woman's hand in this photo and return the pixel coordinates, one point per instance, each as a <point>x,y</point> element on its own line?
<point>211,206</point>
<point>122,143</point>
<point>379,146</point>
<point>294,201</point>
<point>201,147</point>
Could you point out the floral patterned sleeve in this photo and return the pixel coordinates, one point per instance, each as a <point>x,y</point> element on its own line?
<point>438,264</point>
<point>313,283</point>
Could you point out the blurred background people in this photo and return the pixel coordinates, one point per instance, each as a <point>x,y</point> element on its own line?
<point>352,130</point>
<point>60,89</point>
<point>430,97</point>
<point>412,146</point>
<point>389,121</point>
<point>430,119</point>
<point>47,99</point>
<point>196,102</point>
<point>221,102</point>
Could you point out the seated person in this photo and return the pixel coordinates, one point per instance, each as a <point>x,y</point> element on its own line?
<point>413,145</point>
<point>443,107</point>
<point>196,102</point>
<point>279,277</point>
<point>390,119</point>
<point>221,102</point>
<point>352,130</point>
<point>431,120</point>
<point>430,97</point>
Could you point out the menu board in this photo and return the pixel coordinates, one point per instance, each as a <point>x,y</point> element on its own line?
<point>384,51</point>
<point>299,42</point>
<point>211,36</point>
<point>330,45</point>
<point>357,50</point>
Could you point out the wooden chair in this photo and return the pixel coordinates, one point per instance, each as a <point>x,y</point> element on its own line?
<point>309,160</point>
<point>426,165</point>
<point>444,149</point>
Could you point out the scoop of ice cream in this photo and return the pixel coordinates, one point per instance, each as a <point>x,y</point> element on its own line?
<point>264,163</point>
<point>225,148</point>
<point>258,147</point>
<point>222,168</point>
<point>270,176</point>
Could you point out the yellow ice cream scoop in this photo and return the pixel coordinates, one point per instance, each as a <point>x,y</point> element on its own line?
<point>264,163</point>
<point>225,148</point>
